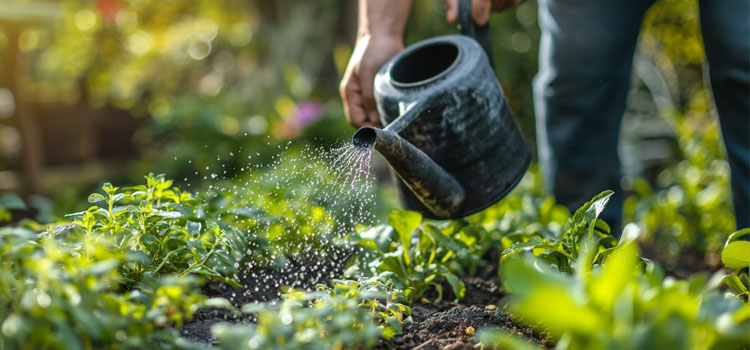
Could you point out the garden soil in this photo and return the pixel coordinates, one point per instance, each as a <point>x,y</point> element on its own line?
<point>443,325</point>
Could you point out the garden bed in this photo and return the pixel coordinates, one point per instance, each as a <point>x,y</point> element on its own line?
<point>435,325</point>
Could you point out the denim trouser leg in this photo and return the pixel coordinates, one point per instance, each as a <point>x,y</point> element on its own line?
<point>726,34</point>
<point>585,59</point>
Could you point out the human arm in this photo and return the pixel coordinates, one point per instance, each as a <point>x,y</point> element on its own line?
<point>379,37</point>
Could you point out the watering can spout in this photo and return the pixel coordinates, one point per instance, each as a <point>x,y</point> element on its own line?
<point>438,190</point>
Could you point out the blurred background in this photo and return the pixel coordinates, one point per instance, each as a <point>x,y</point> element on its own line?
<point>95,90</point>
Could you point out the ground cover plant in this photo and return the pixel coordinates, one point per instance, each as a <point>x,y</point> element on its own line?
<point>127,273</point>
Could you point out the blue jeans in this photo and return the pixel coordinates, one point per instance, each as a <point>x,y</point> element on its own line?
<point>585,58</point>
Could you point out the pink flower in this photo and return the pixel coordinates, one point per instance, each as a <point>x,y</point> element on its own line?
<point>307,112</point>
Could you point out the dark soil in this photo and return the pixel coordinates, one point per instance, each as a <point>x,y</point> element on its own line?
<point>436,325</point>
<point>261,284</point>
<point>450,326</point>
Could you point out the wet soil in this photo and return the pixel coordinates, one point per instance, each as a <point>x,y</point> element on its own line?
<point>448,325</point>
<point>262,284</point>
<point>444,325</point>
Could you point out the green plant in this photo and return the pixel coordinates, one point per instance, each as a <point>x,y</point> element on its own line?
<point>53,297</point>
<point>564,249</point>
<point>411,257</point>
<point>158,230</point>
<point>624,304</point>
<point>303,321</point>
<point>383,302</point>
<point>736,256</point>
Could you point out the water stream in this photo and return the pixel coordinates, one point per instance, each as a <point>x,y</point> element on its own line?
<point>302,204</point>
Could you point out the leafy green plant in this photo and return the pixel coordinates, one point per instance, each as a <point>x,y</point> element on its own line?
<point>316,320</point>
<point>736,256</point>
<point>688,208</point>
<point>624,304</point>
<point>382,300</point>
<point>564,249</point>
<point>51,297</point>
<point>157,228</point>
<point>411,257</point>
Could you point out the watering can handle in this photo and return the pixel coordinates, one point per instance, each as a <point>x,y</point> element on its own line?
<point>469,28</point>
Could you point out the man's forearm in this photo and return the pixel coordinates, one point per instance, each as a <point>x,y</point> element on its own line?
<point>383,17</point>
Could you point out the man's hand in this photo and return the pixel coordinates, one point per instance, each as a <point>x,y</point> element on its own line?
<point>480,9</point>
<point>380,32</point>
<point>370,53</point>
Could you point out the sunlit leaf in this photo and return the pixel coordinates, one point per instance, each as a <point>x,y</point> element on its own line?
<point>405,222</point>
<point>95,197</point>
<point>736,255</point>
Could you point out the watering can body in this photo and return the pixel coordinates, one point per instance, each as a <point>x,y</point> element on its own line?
<point>449,133</point>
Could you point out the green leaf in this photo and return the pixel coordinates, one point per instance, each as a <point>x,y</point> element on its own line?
<point>520,247</point>
<point>391,264</point>
<point>193,228</point>
<point>618,271</point>
<point>96,197</point>
<point>175,243</point>
<point>522,277</point>
<point>599,202</point>
<point>102,267</point>
<point>169,214</point>
<point>12,201</point>
<point>405,222</point>
<point>588,211</point>
<point>736,255</point>
<point>368,243</point>
<point>381,235</point>
<point>504,339</point>
<point>67,336</point>
<point>459,289</point>
<point>395,324</point>
<point>223,304</point>
<point>138,256</point>
<point>559,311</point>
<point>735,283</point>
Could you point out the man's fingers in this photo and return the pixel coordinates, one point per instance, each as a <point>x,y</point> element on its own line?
<point>355,113</point>
<point>480,11</point>
<point>451,11</point>
<point>352,98</point>
<point>373,118</point>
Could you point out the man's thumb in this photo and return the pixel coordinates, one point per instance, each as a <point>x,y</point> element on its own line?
<point>451,11</point>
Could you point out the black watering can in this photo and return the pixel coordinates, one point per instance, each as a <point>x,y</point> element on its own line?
<point>449,134</point>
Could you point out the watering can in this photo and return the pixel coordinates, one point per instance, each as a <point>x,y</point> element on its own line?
<point>449,134</point>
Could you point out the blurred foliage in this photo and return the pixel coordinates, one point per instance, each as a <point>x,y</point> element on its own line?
<point>216,83</point>
<point>624,304</point>
<point>736,256</point>
<point>213,76</point>
<point>54,297</point>
<point>348,315</point>
<point>305,321</point>
<point>411,256</point>
<point>685,208</point>
<point>158,229</point>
